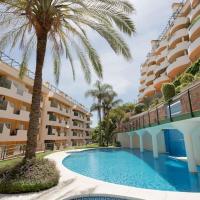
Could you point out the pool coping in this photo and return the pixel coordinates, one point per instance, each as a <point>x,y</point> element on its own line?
<point>73,184</point>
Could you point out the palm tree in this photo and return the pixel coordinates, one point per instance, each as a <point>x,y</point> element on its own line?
<point>62,25</point>
<point>99,92</point>
<point>109,102</point>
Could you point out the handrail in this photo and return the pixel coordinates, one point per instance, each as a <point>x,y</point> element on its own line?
<point>188,95</point>
<point>15,64</point>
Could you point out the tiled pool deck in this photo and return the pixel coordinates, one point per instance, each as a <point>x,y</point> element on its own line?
<point>72,184</point>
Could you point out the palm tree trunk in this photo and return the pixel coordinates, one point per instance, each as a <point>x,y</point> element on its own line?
<point>33,128</point>
<point>99,115</point>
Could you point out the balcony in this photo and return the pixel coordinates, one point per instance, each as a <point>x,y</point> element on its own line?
<point>149,91</point>
<point>194,50</point>
<point>160,80</point>
<point>178,66</point>
<point>80,118</point>
<point>162,45</point>
<point>194,13</point>
<point>58,109</point>
<point>53,134</point>
<point>194,3</point>
<point>78,126</point>
<point>140,97</point>
<point>54,121</point>
<point>151,60</point>
<point>6,136</point>
<point>8,88</point>
<point>151,69</point>
<point>179,23</point>
<point>162,56</point>
<point>178,51</point>
<point>178,37</point>
<point>7,111</point>
<point>142,79</point>
<point>141,88</point>
<point>194,31</point>
<point>150,79</point>
<point>143,70</point>
<point>160,68</point>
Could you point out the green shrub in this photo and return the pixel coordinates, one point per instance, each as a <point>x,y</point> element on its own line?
<point>139,108</point>
<point>187,78</point>
<point>31,176</point>
<point>178,89</point>
<point>168,91</point>
<point>177,82</point>
<point>197,76</point>
<point>117,144</point>
<point>194,68</point>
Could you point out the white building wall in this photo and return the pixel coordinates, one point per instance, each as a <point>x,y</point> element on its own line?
<point>124,139</point>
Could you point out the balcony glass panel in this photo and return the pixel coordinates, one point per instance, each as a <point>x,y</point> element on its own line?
<point>5,83</point>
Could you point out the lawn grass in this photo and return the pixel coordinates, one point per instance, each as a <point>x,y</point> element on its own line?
<point>14,161</point>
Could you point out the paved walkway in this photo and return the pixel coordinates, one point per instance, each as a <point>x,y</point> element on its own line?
<point>71,184</point>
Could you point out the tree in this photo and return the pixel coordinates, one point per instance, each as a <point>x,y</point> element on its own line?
<point>168,91</point>
<point>34,24</point>
<point>110,102</point>
<point>109,126</point>
<point>99,92</point>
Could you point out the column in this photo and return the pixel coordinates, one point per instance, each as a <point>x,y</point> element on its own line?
<point>141,144</point>
<point>131,141</point>
<point>155,146</point>
<point>190,153</point>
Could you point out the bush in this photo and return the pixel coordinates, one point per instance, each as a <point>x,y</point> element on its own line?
<point>186,78</point>
<point>30,176</point>
<point>117,144</point>
<point>194,69</point>
<point>139,108</point>
<point>197,76</point>
<point>178,89</point>
<point>168,91</point>
<point>177,82</point>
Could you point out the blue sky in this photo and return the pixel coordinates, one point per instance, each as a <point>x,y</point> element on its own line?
<point>150,18</point>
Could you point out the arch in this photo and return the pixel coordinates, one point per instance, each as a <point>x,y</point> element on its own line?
<point>136,141</point>
<point>147,141</point>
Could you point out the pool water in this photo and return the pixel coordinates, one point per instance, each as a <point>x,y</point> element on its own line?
<point>97,198</point>
<point>132,168</point>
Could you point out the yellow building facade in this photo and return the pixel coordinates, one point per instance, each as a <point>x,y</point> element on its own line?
<point>63,122</point>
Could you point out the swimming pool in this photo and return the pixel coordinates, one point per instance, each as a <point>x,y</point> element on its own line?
<point>132,168</point>
<point>97,198</point>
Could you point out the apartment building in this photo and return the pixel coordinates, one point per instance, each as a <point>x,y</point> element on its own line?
<point>63,122</point>
<point>175,49</point>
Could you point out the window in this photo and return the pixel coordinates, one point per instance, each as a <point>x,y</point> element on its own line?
<point>76,113</point>
<point>74,133</point>
<point>52,117</point>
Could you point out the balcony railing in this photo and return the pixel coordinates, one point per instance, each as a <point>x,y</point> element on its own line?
<point>184,106</point>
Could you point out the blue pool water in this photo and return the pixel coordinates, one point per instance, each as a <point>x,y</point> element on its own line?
<point>132,168</point>
<point>97,198</point>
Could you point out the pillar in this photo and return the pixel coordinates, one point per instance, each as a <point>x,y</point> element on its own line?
<point>189,128</point>
<point>155,146</point>
<point>141,144</point>
<point>131,141</point>
<point>190,153</point>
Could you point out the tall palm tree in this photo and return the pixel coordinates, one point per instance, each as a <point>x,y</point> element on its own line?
<point>99,92</point>
<point>62,25</point>
<point>110,102</point>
